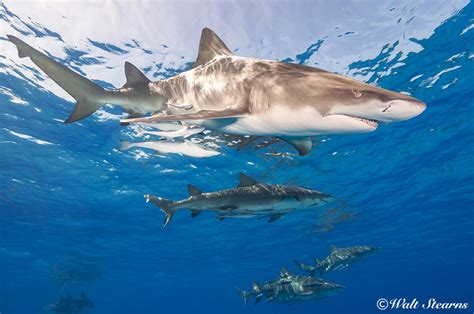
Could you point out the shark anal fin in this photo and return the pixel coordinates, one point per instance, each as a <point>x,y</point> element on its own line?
<point>134,76</point>
<point>210,46</point>
<point>200,115</point>
<point>245,180</point>
<point>302,144</point>
<point>194,191</point>
<point>195,212</point>
<point>275,217</point>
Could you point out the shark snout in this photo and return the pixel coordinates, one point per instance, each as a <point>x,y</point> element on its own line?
<point>402,109</point>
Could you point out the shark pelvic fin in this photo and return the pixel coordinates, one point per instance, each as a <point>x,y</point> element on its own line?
<point>245,180</point>
<point>210,46</point>
<point>193,191</point>
<point>302,144</point>
<point>89,96</point>
<point>275,217</point>
<point>200,115</point>
<point>134,76</point>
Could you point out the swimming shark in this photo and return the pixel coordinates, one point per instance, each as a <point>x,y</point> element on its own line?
<point>239,95</point>
<point>290,288</point>
<point>249,199</point>
<point>339,258</point>
<point>70,305</point>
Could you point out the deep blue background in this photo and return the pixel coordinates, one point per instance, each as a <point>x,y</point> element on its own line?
<point>407,188</point>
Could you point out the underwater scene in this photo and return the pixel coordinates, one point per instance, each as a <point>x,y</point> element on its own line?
<point>236,156</point>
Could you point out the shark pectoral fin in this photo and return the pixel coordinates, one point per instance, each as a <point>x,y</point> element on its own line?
<point>200,115</point>
<point>210,46</point>
<point>134,76</point>
<point>275,217</point>
<point>258,299</point>
<point>302,144</point>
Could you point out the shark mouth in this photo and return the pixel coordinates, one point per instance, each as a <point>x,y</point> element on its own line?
<point>369,122</point>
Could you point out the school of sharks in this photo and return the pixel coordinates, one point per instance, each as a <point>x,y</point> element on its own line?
<point>233,95</point>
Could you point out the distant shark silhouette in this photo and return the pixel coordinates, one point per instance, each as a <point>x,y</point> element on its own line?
<point>239,95</point>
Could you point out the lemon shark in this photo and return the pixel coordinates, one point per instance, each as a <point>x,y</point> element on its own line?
<point>239,95</point>
<point>249,199</point>
<point>339,258</point>
<point>291,288</point>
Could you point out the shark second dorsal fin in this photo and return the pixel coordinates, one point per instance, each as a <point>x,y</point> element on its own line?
<point>193,191</point>
<point>134,76</point>
<point>210,46</point>
<point>285,273</point>
<point>245,180</point>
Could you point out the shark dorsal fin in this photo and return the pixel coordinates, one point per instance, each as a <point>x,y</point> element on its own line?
<point>134,76</point>
<point>333,248</point>
<point>255,286</point>
<point>210,46</point>
<point>245,180</point>
<point>193,191</point>
<point>285,273</point>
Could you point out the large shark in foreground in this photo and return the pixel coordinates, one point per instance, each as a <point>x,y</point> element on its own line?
<point>339,258</point>
<point>239,95</point>
<point>249,199</point>
<point>291,288</point>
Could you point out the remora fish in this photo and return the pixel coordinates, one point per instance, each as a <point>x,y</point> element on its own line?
<point>184,132</point>
<point>249,199</point>
<point>239,95</point>
<point>339,258</point>
<point>187,148</point>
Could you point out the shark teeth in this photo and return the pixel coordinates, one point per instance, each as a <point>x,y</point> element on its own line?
<point>370,122</point>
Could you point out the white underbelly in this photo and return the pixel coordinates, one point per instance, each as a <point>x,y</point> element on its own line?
<point>282,121</point>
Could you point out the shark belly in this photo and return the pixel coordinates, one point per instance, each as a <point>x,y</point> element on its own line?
<point>288,122</point>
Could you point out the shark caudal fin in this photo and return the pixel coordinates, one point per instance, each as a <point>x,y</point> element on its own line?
<point>244,294</point>
<point>164,204</point>
<point>89,96</point>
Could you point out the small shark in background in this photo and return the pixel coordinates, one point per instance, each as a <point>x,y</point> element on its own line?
<point>291,288</point>
<point>249,199</point>
<point>339,258</point>
<point>238,95</point>
<point>70,305</point>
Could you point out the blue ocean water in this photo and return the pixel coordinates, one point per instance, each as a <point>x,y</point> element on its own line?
<point>73,217</point>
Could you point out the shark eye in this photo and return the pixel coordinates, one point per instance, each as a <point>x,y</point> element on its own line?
<point>357,93</point>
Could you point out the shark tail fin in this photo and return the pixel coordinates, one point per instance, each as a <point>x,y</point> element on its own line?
<point>88,95</point>
<point>164,204</point>
<point>244,294</point>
